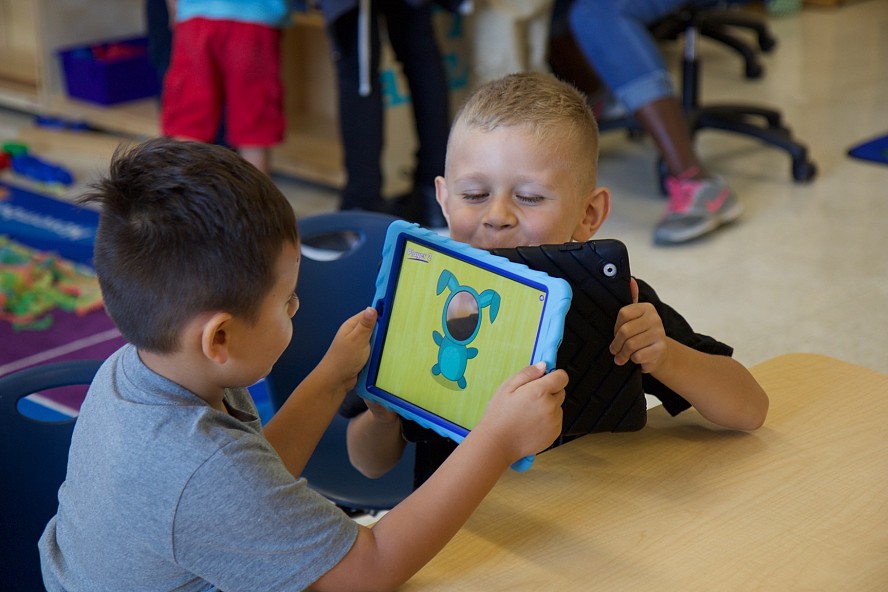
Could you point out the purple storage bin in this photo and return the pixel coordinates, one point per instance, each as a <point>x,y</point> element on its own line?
<point>110,72</point>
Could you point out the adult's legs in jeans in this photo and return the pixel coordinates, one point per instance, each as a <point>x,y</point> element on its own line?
<point>258,156</point>
<point>360,118</point>
<point>615,39</point>
<point>412,35</point>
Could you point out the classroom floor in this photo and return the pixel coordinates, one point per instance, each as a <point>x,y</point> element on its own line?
<point>806,267</point>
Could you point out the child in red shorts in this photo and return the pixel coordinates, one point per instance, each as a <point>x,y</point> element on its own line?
<point>226,54</point>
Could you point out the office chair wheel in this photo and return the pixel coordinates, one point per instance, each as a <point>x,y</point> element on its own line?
<point>766,42</point>
<point>754,70</point>
<point>804,171</point>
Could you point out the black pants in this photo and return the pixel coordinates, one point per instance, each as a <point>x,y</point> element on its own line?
<point>361,119</point>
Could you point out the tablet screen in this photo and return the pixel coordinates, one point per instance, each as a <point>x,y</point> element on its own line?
<point>453,329</point>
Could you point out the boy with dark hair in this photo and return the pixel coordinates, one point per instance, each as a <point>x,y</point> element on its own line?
<point>172,482</point>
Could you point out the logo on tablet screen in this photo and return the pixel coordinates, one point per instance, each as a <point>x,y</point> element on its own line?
<point>417,256</point>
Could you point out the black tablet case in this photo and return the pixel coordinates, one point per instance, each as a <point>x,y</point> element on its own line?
<point>601,396</point>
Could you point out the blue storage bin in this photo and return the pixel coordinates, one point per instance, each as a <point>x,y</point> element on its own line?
<point>110,72</point>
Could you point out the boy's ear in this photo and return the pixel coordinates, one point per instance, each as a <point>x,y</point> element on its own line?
<point>215,337</point>
<point>597,208</point>
<point>441,196</point>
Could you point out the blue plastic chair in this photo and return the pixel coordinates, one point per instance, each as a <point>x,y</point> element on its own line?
<point>340,259</point>
<point>35,461</point>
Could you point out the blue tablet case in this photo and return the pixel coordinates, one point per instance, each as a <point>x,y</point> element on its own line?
<point>454,322</point>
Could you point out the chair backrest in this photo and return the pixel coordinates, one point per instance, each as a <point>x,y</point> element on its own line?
<point>340,259</point>
<point>34,456</point>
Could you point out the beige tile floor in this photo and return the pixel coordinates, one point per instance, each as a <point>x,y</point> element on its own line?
<point>806,268</point>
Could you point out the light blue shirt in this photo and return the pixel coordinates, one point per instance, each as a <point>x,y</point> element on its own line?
<point>273,13</point>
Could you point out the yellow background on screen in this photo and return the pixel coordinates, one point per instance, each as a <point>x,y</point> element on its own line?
<point>504,346</point>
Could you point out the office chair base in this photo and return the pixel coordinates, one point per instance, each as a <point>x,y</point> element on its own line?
<point>756,122</point>
<point>717,26</point>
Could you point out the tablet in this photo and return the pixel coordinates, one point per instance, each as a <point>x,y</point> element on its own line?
<point>454,323</point>
<point>600,396</point>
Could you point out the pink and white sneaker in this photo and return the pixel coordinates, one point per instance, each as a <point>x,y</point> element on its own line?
<point>696,207</point>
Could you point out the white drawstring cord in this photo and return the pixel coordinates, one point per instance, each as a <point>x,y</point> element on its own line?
<point>364,87</point>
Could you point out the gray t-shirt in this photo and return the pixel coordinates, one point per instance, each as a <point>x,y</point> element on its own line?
<point>165,493</point>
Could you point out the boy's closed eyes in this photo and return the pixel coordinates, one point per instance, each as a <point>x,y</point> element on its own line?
<point>498,192</point>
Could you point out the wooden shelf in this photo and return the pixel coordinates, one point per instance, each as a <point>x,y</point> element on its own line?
<point>311,151</point>
<point>18,95</point>
<point>139,118</point>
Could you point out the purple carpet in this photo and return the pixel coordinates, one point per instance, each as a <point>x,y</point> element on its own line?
<point>40,225</point>
<point>67,327</point>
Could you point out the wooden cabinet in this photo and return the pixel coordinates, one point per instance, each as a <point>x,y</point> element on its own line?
<point>311,149</point>
<point>32,32</point>
<point>17,46</point>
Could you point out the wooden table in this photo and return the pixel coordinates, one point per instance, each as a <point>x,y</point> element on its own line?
<point>800,504</point>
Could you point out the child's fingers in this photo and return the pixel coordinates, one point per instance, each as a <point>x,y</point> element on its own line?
<point>622,330</point>
<point>525,414</point>
<point>524,376</point>
<point>621,349</point>
<point>553,383</point>
<point>380,413</point>
<point>627,343</point>
<point>362,322</point>
<point>367,317</point>
<point>629,323</point>
<point>633,288</point>
<point>644,348</point>
<point>535,377</point>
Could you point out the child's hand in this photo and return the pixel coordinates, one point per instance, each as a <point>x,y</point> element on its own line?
<point>639,335</point>
<point>525,414</point>
<point>380,413</point>
<point>350,348</point>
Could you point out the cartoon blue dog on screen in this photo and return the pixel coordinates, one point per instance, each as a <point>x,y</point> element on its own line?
<point>461,321</point>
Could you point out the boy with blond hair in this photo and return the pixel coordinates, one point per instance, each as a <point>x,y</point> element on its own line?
<point>521,169</point>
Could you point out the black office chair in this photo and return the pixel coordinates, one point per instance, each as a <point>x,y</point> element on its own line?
<point>340,259</point>
<point>35,461</point>
<point>754,121</point>
<point>720,24</point>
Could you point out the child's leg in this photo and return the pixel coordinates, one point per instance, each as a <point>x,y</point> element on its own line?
<point>254,116</point>
<point>191,102</point>
<point>258,156</point>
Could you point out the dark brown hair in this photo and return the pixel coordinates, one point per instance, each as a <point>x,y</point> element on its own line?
<point>185,228</point>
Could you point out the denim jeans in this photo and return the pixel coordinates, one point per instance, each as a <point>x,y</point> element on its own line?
<point>615,39</point>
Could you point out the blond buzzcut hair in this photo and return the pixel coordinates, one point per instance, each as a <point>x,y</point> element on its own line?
<point>553,111</point>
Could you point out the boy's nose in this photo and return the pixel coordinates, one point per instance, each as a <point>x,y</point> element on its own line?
<point>500,213</point>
